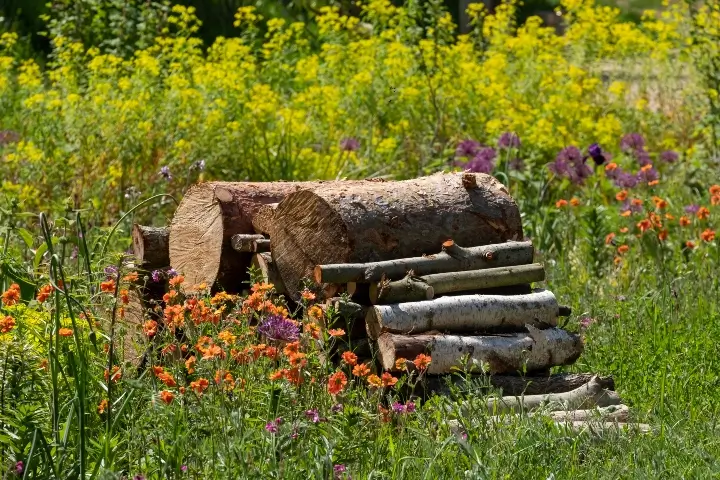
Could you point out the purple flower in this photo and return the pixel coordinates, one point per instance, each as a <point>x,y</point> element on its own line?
<point>626,205</point>
<point>517,164</point>
<point>165,172</point>
<point>467,148</point>
<point>276,327</point>
<point>559,167</point>
<point>643,157</point>
<point>692,209</point>
<point>647,175</point>
<point>138,477</point>
<point>596,153</point>
<point>410,407</point>
<point>313,415</point>
<point>8,136</point>
<point>184,468</point>
<point>19,467</point>
<point>571,164</point>
<point>669,156</point>
<point>338,470</point>
<point>509,140</point>
<point>172,273</point>
<point>271,427</point>
<point>337,408</point>
<point>625,180</point>
<point>398,407</point>
<point>585,322</point>
<point>483,161</point>
<point>632,142</point>
<point>580,173</point>
<point>570,154</point>
<point>156,276</point>
<point>349,144</point>
<point>111,271</point>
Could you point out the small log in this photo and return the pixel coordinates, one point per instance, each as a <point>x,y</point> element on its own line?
<point>600,428</point>
<point>413,288</point>
<point>262,221</point>
<point>150,246</point>
<point>612,413</point>
<point>536,350</point>
<point>465,313</point>
<point>513,384</point>
<point>268,272</point>
<point>473,258</point>
<point>245,243</point>
<point>375,221</point>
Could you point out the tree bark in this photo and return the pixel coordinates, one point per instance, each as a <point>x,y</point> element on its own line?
<point>512,384</point>
<point>465,314</point>
<point>268,271</point>
<point>245,243</point>
<point>425,288</point>
<point>536,350</point>
<point>207,218</point>
<point>473,258</point>
<point>262,221</point>
<point>377,221</point>
<point>150,246</point>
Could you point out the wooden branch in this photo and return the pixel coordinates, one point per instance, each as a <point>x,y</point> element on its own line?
<point>473,258</point>
<point>511,384</point>
<point>613,413</point>
<point>247,243</point>
<point>262,221</point>
<point>465,313</point>
<point>600,428</point>
<point>268,271</point>
<point>418,288</point>
<point>536,350</point>
<point>150,246</point>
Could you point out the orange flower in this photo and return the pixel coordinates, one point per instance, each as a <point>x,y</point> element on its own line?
<point>116,374</point>
<point>684,221</point>
<point>622,249</point>
<point>715,190</point>
<point>659,203</point>
<point>124,297</point>
<point>574,202</point>
<point>227,337</point>
<point>167,379</point>
<point>177,280</point>
<point>669,217</point>
<point>168,349</point>
<point>361,370</point>
<point>43,362</point>
<point>291,348</point>
<point>703,213</point>
<point>626,213</point>
<point>278,374</point>
<point>644,225</point>
<point>374,381</point>
<point>336,383</point>
<point>621,196</point>
<point>422,361</point>
<point>200,287</point>
<point>609,238</point>
<point>388,380</point>
<point>624,230</point>
<point>313,329</point>
<point>689,244</point>
<point>157,370</point>
<point>226,378</point>
<point>293,376</point>
<point>617,260</point>
<point>200,385</point>
<point>182,390</point>
<point>298,360</point>
<point>7,324</point>
<point>213,351</point>
<point>103,405</point>
<point>384,414</point>
<point>222,297</point>
<point>611,166</point>
<point>715,200</point>
<point>708,235</point>
<point>350,358</point>
<point>646,168</point>
<point>315,312</point>
<point>336,332</point>
<point>65,332</point>
<point>108,286</point>
<point>561,203</point>
<point>44,293</point>
<point>167,397</point>
<point>271,352</point>
<point>131,277</point>
<point>400,363</point>
<point>169,296</point>
<point>662,236</point>
<point>190,364</point>
<point>636,202</point>
<point>11,295</point>
<point>262,287</point>
<point>307,295</point>
<point>150,328</point>
<point>653,183</point>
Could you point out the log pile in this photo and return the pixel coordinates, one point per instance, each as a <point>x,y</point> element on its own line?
<point>435,265</point>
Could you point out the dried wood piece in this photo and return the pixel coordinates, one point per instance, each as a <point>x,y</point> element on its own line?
<point>207,218</point>
<point>600,428</point>
<point>611,413</point>
<point>536,350</point>
<point>413,288</point>
<point>377,221</point>
<point>150,246</point>
<point>457,260</point>
<point>465,313</point>
<point>245,243</point>
<point>268,272</point>
<point>262,221</point>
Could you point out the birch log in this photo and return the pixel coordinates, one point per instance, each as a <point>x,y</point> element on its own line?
<point>465,313</point>
<point>268,272</point>
<point>473,258</point>
<point>536,350</point>
<point>262,221</point>
<point>376,221</point>
<point>512,384</point>
<point>208,216</point>
<point>413,288</point>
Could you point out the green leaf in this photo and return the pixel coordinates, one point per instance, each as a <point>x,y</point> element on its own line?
<point>26,236</point>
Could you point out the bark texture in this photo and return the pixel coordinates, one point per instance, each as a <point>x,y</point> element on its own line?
<point>268,271</point>
<point>150,246</point>
<point>465,314</point>
<point>207,218</point>
<point>245,243</point>
<point>514,384</point>
<point>375,221</point>
<point>536,350</point>
<point>473,258</point>
<point>262,221</point>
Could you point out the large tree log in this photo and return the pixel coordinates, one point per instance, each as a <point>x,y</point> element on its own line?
<point>262,221</point>
<point>473,258</point>
<point>150,246</point>
<point>268,271</point>
<point>465,313</point>
<point>376,221</point>
<point>412,288</point>
<point>536,350</point>
<point>207,218</point>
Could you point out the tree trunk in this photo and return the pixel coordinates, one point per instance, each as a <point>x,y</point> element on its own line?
<point>465,314</point>
<point>262,221</point>
<point>536,350</point>
<point>268,271</point>
<point>207,218</point>
<point>424,288</point>
<point>474,258</point>
<point>150,246</point>
<point>376,221</point>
